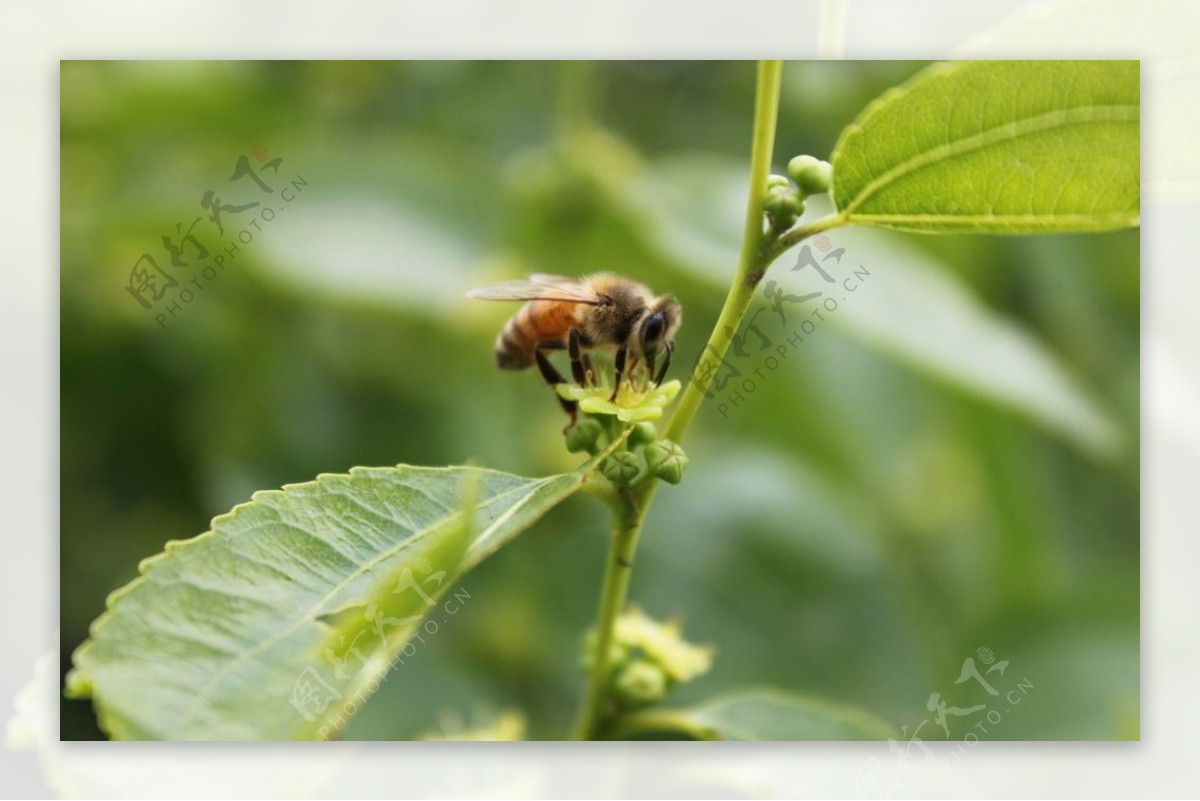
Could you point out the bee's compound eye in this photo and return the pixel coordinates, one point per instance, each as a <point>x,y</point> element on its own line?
<point>653,327</point>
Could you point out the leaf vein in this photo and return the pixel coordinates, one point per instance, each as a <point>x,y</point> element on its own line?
<point>1041,122</point>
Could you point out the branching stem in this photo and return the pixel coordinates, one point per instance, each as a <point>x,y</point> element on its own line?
<point>759,249</point>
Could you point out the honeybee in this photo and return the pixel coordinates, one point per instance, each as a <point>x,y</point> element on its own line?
<point>579,315</point>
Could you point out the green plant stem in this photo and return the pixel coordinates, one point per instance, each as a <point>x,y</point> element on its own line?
<point>777,247</point>
<point>759,249</point>
<point>741,292</point>
<point>626,524</point>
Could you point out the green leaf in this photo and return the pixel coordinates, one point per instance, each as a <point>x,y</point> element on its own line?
<point>997,147</point>
<point>910,308</point>
<point>315,587</point>
<point>1172,167</point>
<point>757,715</point>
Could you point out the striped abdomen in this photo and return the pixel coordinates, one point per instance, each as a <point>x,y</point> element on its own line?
<point>536,321</point>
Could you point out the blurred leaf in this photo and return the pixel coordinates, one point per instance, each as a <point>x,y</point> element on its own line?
<point>924,316</point>
<point>368,249</point>
<point>908,307</point>
<point>758,715</point>
<point>222,635</point>
<point>997,146</point>
<point>773,495</point>
<point>693,207</point>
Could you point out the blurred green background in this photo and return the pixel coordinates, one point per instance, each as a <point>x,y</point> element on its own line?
<point>948,463</point>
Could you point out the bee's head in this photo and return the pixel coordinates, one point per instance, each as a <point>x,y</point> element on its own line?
<point>659,324</point>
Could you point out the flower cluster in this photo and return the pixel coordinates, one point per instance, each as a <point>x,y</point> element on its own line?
<point>648,659</point>
<point>784,204</point>
<point>605,419</point>
<point>631,405</point>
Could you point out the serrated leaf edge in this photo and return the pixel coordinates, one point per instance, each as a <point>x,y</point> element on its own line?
<point>77,683</point>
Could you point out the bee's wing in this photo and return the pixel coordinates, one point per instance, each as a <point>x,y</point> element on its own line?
<point>565,290</point>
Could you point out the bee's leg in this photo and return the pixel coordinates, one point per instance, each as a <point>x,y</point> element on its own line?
<point>553,377</point>
<point>618,371</point>
<point>662,371</point>
<point>577,371</point>
<point>588,370</point>
<point>651,358</point>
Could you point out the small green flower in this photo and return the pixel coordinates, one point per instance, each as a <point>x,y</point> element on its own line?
<point>663,645</point>
<point>647,659</point>
<point>633,405</point>
<point>618,654</point>
<point>640,683</point>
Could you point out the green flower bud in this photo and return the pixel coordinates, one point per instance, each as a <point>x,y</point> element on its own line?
<point>618,653</point>
<point>784,206</point>
<point>621,468</point>
<point>643,434</point>
<point>663,645</point>
<point>666,460</point>
<point>640,683</point>
<point>782,200</point>
<point>584,436</point>
<point>778,180</point>
<point>811,175</point>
